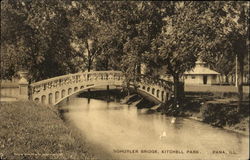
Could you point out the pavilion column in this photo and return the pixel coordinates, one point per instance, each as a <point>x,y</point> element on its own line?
<point>23,86</point>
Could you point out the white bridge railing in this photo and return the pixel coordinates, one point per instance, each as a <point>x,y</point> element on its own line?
<point>53,90</point>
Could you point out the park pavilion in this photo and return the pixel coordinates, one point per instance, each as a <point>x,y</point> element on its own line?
<point>201,75</point>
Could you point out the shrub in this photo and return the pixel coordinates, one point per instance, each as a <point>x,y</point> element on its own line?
<point>220,114</point>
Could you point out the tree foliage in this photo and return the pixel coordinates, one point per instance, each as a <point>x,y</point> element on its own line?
<point>37,36</point>
<point>178,46</point>
<point>50,38</point>
<point>228,21</point>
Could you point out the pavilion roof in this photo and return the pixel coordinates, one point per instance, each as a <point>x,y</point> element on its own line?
<point>198,70</point>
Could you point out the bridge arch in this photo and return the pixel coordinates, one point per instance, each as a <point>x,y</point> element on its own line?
<point>63,93</point>
<point>148,89</point>
<point>50,98</point>
<point>43,98</point>
<point>75,89</point>
<point>36,100</point>
<point>143,87</point>
<point>69,91</point>
<point>153,91</point>
<point>57,95</point>
<point>54,90</point>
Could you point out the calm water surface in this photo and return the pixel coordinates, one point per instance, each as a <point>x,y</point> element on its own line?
<point>117,131</point>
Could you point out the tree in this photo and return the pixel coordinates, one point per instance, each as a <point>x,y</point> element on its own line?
<point>228,21</point>
<point>222,63</point>
<point>84,28</point>
<point>111,45</point>
<point>130,28</point>
<point>177,47</point>
<point>14,33</point>
<point>39,37</point>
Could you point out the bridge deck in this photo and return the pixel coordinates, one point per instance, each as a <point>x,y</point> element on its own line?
<point>52,91</point>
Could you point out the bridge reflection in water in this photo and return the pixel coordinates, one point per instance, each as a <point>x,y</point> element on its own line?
<point>54,90</point>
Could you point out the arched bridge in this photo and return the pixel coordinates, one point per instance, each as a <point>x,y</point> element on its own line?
<point>54,90</point>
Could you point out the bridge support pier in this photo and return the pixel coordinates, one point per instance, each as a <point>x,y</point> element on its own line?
<point>67,100</point>
<point>89,93</point>
<point>23,86</point>
<point>108,94</point>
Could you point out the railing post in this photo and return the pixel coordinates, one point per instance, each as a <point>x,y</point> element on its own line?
<point>23,86</point>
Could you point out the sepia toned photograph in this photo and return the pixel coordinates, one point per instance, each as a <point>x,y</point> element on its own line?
<point>124,80</point>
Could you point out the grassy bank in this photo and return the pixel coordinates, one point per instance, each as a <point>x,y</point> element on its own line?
<point>31,131</point>
<point>218,110</point>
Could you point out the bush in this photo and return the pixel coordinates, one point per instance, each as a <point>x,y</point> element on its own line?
<point>220,114</point>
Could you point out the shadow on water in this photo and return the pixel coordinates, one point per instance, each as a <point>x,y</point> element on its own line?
<point>112,95</point>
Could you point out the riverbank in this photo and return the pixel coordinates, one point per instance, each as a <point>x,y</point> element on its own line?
<point>219,110</point>
<point>32,131</point>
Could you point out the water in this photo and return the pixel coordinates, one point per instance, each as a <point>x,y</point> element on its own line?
<point>116,131</point>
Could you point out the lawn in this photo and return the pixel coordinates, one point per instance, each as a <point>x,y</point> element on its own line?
<point>31,131</point>
<point>214,88</point>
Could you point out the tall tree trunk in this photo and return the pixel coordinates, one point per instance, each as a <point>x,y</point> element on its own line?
<point>178,90</point>
<point>89,56</point>
<point>128,88</point>
<point>232,79</point>
<point>241,74</point>
<point>107,64</point>
<point>138,73</point>
<point>138,68</point>
<point>89,64</point>
<point>220,80</point>
<point>226,79</point>
<point>240,50</point>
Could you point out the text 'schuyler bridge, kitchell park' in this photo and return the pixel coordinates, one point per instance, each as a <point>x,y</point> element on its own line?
<point>124,80</point>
